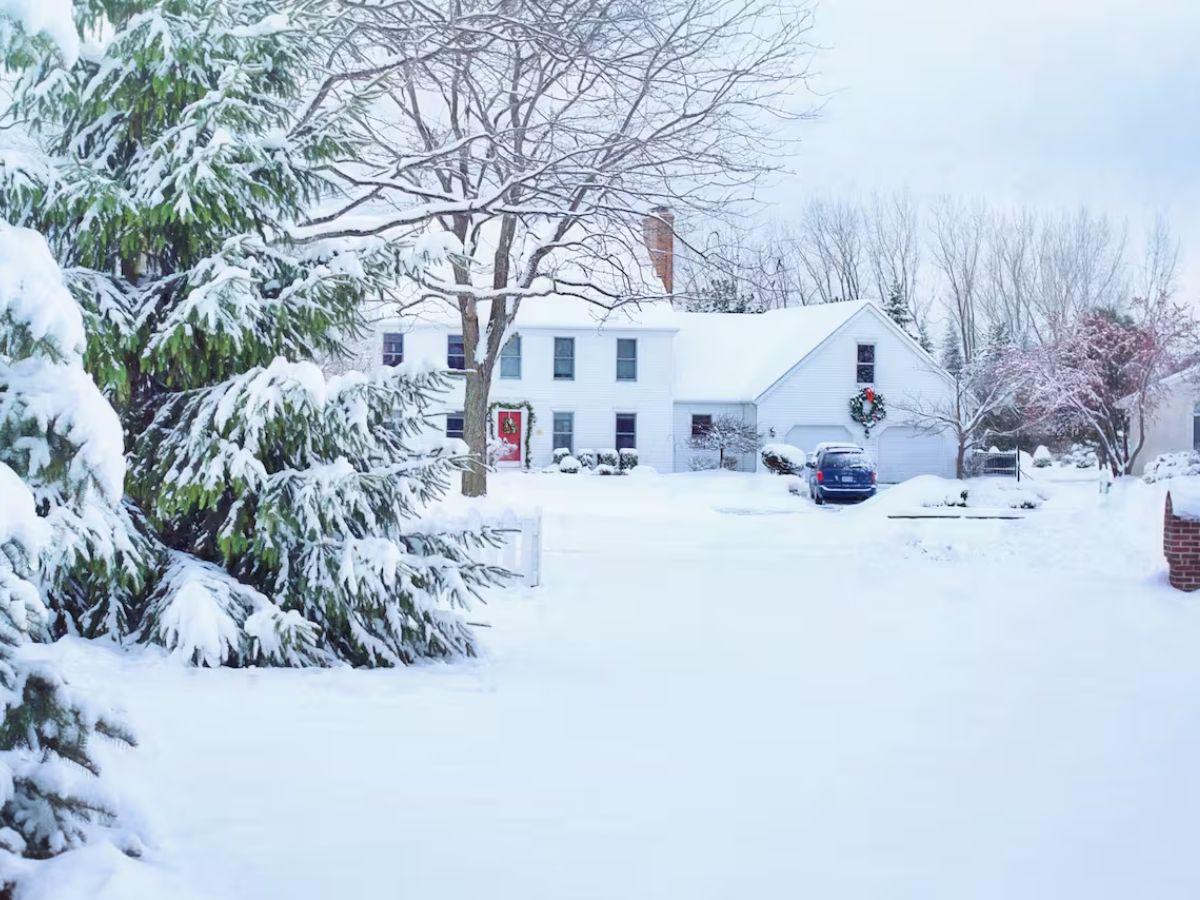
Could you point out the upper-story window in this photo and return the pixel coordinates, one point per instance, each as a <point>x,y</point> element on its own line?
<point>701,423</point>
<point>866,364</point>
<point>393,348</point>
<point>626,359</point>
<point>510,358</point>
<point>456,354</point>
<point>564,359</point>
<point>455,423</point>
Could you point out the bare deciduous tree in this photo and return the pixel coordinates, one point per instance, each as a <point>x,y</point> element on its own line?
<point>536,134</point>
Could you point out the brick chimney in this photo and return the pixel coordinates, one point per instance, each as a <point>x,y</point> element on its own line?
<point>658,230</point>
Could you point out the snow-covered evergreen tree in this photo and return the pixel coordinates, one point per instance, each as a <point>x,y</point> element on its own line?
<point>897,309</point>
<point>179,162</point>
<point>952,358</point>
<point>61,464</point>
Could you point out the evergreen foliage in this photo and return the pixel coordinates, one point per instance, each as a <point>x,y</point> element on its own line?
<point>276,516</point>
<point>61,472</point>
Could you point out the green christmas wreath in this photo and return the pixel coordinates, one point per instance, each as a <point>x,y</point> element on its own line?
<point>867,409</point>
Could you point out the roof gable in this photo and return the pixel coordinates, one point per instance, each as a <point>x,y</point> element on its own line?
<point>736,357</point>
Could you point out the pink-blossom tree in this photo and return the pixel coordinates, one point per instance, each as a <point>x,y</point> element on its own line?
<point>1105,375</point>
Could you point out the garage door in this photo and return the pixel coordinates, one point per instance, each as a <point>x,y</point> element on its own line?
<point>808,436</point>
<point>905,452</point>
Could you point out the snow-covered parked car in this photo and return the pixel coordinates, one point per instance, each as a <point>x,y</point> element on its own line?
<point>842,472</point>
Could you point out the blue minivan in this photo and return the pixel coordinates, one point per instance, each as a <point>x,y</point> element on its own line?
<point>841,473</point>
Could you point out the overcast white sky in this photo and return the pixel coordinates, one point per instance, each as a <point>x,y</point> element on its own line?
<point>1050,102</point>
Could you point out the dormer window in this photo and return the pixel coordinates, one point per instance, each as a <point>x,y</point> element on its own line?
<point>865,368</point>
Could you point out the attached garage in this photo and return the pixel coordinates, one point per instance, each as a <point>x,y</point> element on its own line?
<point>808,436</point>
<point>904,452</point>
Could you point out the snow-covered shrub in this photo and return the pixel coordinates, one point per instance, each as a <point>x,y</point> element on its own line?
<point>1081,456</point>
<point>607,458</point>
<point>606,469</point>
<point>1042,459</point>
<point>629,459</point>
<point>255,475</point>
<point>700,463</point>
<point>783,459</point>
<point>931,491</point>
<point>587,458</point>
<point>500,447</point>
<point>570,465</point>
<point>730,463</point>
<point>560,453</point>
<point>1172,465</point>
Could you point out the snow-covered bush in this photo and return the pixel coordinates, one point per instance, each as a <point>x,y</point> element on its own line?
<point>175,173</point>
<point>700,463</point>
<point>1081,456</point>
<point>1042,459</point>
<point>783,459</point>
<point>61,480</point>
<point>587,458</point>
<point>931,491</point>
<point>607,458</point>
<point>559,454</point>
<point>629,459</point>
<point>606,469</point>
<point>569,464</point>
<point>730,463</point>
<point>1172,465</point>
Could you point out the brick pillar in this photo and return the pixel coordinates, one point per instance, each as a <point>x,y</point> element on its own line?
<point>1181,546</point>
<point>658,230</point>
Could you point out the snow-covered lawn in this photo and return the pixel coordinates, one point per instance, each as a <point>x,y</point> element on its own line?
<point>720,691</point>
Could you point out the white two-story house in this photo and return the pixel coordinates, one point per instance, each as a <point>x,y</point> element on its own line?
<point>649,378</point>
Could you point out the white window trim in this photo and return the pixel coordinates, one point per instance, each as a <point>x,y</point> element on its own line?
<point>617,361</point>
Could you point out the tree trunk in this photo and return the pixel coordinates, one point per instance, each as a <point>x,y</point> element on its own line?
<point>960,460</point>
<point>475,432</point>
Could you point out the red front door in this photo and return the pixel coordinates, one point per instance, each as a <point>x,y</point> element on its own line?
<point>508,429</point>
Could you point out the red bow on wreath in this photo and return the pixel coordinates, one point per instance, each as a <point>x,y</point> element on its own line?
<point>870,395</point>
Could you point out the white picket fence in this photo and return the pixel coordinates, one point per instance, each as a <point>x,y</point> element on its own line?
<point>521,551</point>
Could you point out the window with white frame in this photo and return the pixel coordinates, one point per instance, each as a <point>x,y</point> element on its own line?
<point>510,358</point>
<point>1196,427</point>
<point>393,348</point>
<point>626,431</point>
<point>626,359</point>
<point>456,353</point>
<point>564,431</point>
<point>701,423</point>
<point>865,368</point>
<point>564,359</point>
<point>455,423</point>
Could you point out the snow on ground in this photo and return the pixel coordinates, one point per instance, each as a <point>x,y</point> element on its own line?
<point>719,691</point>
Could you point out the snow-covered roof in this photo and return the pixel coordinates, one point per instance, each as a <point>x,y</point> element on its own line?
<point>555,313</point>
<point>734,357</point>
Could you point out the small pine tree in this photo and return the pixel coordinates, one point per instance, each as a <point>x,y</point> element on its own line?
<point>60,462</point>
<point>721,295</point>
<point>896,306</point>
<point>287,508</point>
<point>952,359</point>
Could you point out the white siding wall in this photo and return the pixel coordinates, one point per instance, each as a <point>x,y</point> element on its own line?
<point>818,391</point>
<point>595,396</point>
<point>683,432</point>
<point>1170,429</point>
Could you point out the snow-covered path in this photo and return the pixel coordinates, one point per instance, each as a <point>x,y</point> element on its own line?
<point>719,692</point>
